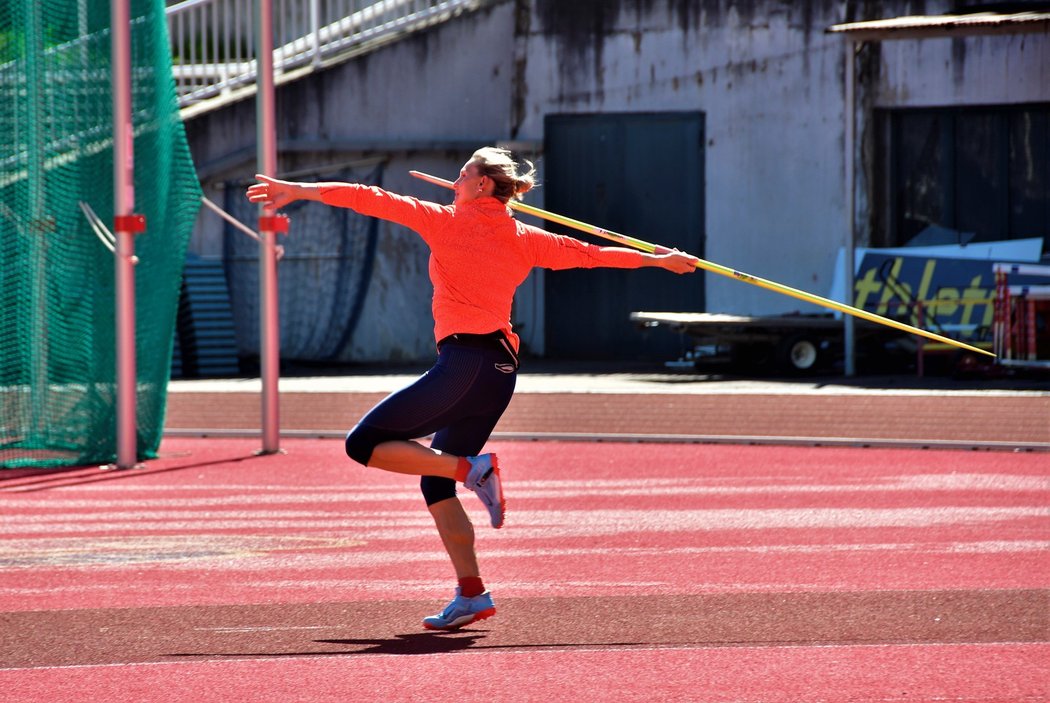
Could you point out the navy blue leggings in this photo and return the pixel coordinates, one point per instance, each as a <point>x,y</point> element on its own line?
<point>459,400</point>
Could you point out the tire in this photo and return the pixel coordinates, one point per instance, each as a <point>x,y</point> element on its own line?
<point>798,354</point>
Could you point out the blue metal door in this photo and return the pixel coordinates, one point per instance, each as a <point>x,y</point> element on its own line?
<point>640,174</point>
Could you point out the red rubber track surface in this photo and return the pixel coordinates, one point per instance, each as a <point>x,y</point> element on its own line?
<point>627,572</point>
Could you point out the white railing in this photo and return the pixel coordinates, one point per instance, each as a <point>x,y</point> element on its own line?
<point>213,42</point>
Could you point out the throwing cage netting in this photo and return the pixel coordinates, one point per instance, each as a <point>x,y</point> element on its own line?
<point>323,276</point>
<point>57,325</point>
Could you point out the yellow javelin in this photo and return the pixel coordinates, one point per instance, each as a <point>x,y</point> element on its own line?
<point>719,269</point>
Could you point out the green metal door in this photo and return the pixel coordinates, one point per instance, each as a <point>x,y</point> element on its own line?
<point>640,174</point>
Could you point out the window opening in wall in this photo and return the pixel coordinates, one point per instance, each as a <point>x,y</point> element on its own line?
<point>960,175</point>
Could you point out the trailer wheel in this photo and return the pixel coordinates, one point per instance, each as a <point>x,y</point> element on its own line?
<point>798,354</point>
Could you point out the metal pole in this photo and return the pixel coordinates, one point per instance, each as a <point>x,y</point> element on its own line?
<point>849,337</point>
<point>266,139</point>
<point>123,207</point>
<point>37,230</point>
<point>315,32</point>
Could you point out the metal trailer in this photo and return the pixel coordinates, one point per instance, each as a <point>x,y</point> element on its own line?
<point>782,344</point>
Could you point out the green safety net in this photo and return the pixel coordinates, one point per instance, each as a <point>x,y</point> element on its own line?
<point>57,279</point>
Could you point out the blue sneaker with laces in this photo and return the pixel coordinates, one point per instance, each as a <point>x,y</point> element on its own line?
<point>484,479</point>
<point>462,611</point>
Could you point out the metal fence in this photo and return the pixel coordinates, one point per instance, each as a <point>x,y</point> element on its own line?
<point>213,42</point>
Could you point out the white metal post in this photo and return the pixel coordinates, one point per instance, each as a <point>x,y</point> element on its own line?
<point>123,207</point>
<point>849,336</point>
<point>315,32</point>
<point>266,137</point>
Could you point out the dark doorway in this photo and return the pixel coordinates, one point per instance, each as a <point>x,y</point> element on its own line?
<point>639,174</point>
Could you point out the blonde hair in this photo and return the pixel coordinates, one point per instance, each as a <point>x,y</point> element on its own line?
<point>499,165</point>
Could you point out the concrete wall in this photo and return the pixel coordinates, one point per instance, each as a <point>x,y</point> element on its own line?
<point>769,82</point>
<point>976,71</point>
<point>767,77</point>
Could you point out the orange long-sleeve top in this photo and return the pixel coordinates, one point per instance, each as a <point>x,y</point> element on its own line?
<point>479,254</point>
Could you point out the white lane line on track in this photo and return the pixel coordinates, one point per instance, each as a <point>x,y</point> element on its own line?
<point>552,649</point>
<point>589,522</point>
<point>237,557</point>
<point>246,554</point>
<point>264,628</point>
<point>555,489</point>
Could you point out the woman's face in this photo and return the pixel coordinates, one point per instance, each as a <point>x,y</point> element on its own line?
<point>471,184</point>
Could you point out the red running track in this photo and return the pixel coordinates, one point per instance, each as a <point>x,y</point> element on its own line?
<point>626,572</point>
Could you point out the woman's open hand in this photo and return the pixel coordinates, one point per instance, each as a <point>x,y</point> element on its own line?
<point>271,191</point>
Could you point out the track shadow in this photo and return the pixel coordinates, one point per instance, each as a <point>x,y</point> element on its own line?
<point>15,475</point>
<point>415,643</point>
<point>88,475</point>
<point>412,644</point>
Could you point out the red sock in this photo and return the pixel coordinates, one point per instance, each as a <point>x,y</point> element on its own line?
<point>462,469</point>
<point>471,586</point>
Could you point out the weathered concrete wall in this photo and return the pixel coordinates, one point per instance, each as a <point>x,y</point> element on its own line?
<point>988,70</point>
<point>976,71</point>
<point>768,78</point>
<point>769,82</point>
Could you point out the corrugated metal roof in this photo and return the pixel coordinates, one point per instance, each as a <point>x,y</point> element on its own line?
<point>931,26</point>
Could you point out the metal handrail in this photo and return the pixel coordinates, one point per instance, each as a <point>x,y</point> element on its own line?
<point>213,43</point>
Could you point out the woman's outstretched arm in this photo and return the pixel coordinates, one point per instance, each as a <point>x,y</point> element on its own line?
<point>555,251</point>
<point>272,191</point>
<point>418,215</point>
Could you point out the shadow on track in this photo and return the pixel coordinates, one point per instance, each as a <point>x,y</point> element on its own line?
<point>411,644</point>
<point>79,476</point>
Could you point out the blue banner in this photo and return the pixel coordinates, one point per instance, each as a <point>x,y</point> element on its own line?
<point>957,295</point>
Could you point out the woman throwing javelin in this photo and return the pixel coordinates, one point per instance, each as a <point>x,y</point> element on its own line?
<point>479,255</point>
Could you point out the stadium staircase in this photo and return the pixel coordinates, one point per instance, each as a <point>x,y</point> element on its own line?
<point>213,42</point>
<point>205,345</point>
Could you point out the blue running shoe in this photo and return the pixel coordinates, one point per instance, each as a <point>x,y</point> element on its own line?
<point>483,478</point>
<point>462,611</point>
